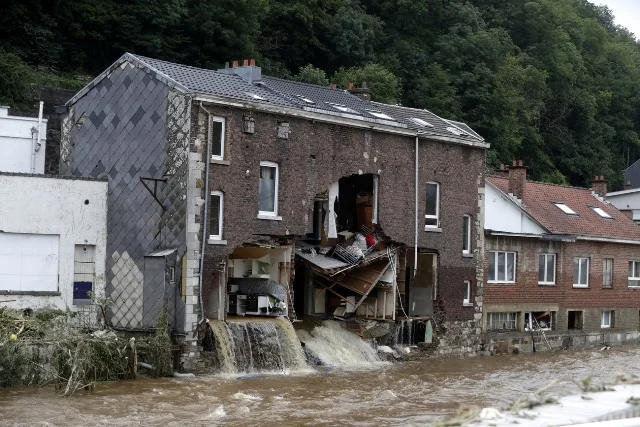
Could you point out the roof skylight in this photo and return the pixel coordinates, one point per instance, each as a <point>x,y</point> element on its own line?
<point>305,99</point>
<point>421,122</point>
<point>601,212</point>
<point>380,115</point>
<point>566,209</point>
<point>342,108</point>
<point>254,96</point>
<point>456,131</point>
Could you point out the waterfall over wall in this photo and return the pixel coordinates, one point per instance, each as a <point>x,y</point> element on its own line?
<point>253,346</point>
<point>334,345</point>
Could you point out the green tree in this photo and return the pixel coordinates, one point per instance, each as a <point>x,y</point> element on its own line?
<point>382,82</point>
<point>313,75</point>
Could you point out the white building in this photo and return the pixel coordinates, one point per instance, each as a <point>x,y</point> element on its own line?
<point>22,143</point>
<point>53,235</point>
<point>627,201</point>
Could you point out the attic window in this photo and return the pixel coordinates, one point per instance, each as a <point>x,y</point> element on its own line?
<point>601,212</point>
<point>342,108</point>
<point>456,131</point>
<point>380,115</point>
<point>305,99</point>
<point>566,209</point>
<point>255,96</point>
<point>421,122</point>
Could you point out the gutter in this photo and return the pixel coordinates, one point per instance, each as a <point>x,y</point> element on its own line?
<point>608,240</point>
<point>203,317</point>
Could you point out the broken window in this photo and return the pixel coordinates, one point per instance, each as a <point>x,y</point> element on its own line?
<point>634,274</point>
<point>84,267</point>
<point>580,272</point>
<point>217,137</point>
<point>539,320</point>
<point>432,208</point>
<point>215,215</point>
<point>607,319</point>
<point>466,234</point>
<point>467,293</point>
<point>268,190</point>
<point>355,204</point>
<point>607,272</point>
<point>547,269</point>
<point>502,321</point>
<point>574,319</point>
<point>283,130</point>
<point>248,124</point>
<point>502,267</point>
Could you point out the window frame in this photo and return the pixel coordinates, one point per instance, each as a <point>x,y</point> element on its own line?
<point>466,226</point>
<point>506,257</point>
<point>604,260</point>
<point>545,255</point>
<point>565,208</point>
<point>580,285</point>
<point>220,215</point>
<point>275,195</point>
<point>636,278</point>
<point>223,121</point>
<point>608,325</point>
<point>466,302</point>
<point>437,215</point>
<point>511,318</point>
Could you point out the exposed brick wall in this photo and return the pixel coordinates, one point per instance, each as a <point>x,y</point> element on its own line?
<point>526,294</point>
<point>318,154</point>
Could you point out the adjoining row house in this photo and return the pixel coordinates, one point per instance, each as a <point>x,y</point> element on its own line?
<point>236,194</point>
<point>562,264</point>
<point>52,228</point>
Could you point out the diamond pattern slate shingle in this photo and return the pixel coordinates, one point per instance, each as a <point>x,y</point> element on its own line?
<point>538,202</point>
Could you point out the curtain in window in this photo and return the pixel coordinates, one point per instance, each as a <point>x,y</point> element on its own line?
<point>267,188</point>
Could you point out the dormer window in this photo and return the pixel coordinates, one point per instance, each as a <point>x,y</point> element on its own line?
<point>343,108</point>
<point>601,212</point>
<point>420,122</point>
<point>380,115</point>
<point>566,209</point>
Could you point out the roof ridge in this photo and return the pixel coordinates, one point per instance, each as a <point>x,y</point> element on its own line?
<point>142,58</point>
<point>544,183</point>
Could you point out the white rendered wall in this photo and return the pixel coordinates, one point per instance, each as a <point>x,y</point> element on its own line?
<point>625,201</point>
<point>40,205</point>
<point>16,143</point>
<point>502,214</point>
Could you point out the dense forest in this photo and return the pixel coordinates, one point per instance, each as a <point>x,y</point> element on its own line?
<point>553,82</point>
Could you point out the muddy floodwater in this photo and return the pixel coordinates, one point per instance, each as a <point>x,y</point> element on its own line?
<point>411,393</point>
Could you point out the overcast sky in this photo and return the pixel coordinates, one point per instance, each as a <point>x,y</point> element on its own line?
<point>627,13</point>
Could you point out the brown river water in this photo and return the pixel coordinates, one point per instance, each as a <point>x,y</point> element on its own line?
<point>409,393</point>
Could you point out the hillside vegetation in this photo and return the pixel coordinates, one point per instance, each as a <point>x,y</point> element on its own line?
<point>552,82</point>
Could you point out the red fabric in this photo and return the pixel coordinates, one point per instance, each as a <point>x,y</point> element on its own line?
<point>370,240</point>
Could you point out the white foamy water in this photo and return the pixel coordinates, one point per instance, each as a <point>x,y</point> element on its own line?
<point>334,345</point>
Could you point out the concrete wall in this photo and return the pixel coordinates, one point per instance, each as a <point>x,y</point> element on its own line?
<point>74,209</point>
<point>16,144</point>
<point>318,154</point>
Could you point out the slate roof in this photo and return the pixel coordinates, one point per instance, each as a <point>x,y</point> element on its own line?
<point>538,202</point>
<point>632,174</point>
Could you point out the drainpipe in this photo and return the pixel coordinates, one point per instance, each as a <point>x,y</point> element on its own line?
<point>415,243</point>
<point>35,147</point>
<point>206,213</point>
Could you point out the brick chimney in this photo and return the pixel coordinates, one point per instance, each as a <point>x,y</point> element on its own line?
<point>361,92</point>
<point>248,71</point>
<point>599,186</point>
<point>517,178</point>
<point>627,185</point>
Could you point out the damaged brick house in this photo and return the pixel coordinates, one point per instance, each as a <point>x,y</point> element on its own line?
<point>236,194</point>
<point>562,264</point>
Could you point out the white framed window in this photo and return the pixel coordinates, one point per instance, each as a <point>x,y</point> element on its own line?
<point>546,269</point>
<point>607,319</point>
<point>420,122</point>
<point>466,234</point>
<point>380,115</point>
<point>343,108</point>
<point>566,209</point>
<point>84,270</point>
<point>432,206</point>
<point>216,209</point>
<point>502,267</point>
<point>601,212</point>
<point>467,293</point>
<point>502,321</point>
<point>607,272</point>
<point>217,137</point>
<point>634,274</point>
<point>268,189</point>
<point>580,272</point>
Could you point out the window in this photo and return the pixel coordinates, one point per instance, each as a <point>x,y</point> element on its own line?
<point>539,320</point>
<point>634,274</point>
<point>217,138</point>
<point>607,319</point>
<point>467,293</point>
<point>255,96</point>
<point>343,108</point>
<point>502,267</point>
<point>456,131</point>
<point>432,211</point>
<point>268,190</point>
<point>566,209</point>
<point>607,272</point>
<point>502,321</point>
<point>420,122</point>
<point>601,212</point>
<point>305,99</point>
<point>283,130</point>
<point>466,234</point>
<point>574,319</point>
<point>380,115</point>
<point>84,267</point>
<point>581,272</point>
<point>215,215</point>
<point>547,269</point>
